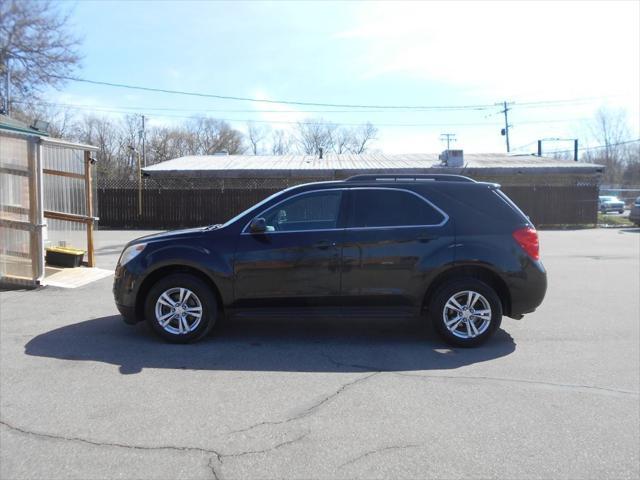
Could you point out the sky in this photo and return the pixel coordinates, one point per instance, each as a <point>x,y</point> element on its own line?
<point>558,62</point>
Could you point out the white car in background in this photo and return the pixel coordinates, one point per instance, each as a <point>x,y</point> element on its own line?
<point>610,204</point>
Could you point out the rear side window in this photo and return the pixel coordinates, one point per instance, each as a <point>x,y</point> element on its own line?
<point>389,208</point>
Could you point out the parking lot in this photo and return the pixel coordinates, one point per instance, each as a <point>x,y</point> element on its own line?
<point>555,395</point>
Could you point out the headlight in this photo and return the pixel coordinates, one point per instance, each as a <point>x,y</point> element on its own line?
<point>130,253</point>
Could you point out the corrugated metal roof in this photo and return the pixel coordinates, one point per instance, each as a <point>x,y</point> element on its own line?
<point>311,165</point>
<point>11,124</point>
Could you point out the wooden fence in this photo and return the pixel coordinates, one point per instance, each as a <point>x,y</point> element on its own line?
<point>163,208</point>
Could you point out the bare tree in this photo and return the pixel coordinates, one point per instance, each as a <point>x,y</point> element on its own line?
<point>281,142</point>
<point>362,137</point>
<point>36,45</point>
<point>62,122</point>
<point>104,134</point>
<point>314,134</point>
<point>610,130</point>
<point>256,134</point>
<point>211,136</point>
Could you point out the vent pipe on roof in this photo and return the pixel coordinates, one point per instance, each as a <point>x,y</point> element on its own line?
<point>320,153</point>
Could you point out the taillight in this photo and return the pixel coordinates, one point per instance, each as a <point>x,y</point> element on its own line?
<point>527,238</point>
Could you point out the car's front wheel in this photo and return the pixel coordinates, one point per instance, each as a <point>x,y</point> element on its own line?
<point>181,308</point>
<point>465,312</point>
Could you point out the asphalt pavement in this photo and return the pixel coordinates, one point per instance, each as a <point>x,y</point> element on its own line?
<point>555,395</point>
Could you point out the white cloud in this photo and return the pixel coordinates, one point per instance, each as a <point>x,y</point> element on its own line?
<point>520,51</point>
<point>276,112</point>
<point>505,49</point>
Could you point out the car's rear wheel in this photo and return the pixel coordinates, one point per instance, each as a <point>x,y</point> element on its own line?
<point>465,312</point>
<point>181,308</point>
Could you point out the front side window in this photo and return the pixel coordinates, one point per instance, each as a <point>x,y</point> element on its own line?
<point>311,211</point>
<point>388,208</point>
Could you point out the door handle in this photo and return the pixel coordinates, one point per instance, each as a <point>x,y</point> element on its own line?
<point>324,244</point>
<point>426,238</point>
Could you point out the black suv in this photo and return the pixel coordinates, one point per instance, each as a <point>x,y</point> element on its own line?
<point>458,250</point>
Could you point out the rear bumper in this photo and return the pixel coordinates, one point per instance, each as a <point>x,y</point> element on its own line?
<point>527,289</point>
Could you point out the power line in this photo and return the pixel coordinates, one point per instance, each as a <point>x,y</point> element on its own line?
<point>283,102</point>
<point>216,110</point>
<point>558,102</point>
<point>172,109</point>
<point>89,108</point>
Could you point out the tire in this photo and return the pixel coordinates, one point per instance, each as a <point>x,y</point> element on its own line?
<point>182,324</point>
<point>471,330</point>
<point>620,211</point>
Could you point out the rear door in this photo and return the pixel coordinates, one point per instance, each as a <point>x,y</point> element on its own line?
<point>394,241</point>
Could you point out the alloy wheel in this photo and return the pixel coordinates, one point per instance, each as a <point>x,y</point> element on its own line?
<point>178,311</point>
<point>467,314</point>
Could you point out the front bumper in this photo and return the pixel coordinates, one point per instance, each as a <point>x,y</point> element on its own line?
<point>125,289</point>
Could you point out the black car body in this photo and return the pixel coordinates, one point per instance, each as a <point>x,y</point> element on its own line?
<point>634,214</point>
<point>369,245</point>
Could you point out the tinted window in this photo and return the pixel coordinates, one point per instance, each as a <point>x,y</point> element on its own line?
<point>383,208</point>
<point>312,211</point>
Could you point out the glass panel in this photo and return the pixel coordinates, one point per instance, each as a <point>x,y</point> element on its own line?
<point>64,159</point>
<point>313,211</point>
<point>64,194</point>
<point>15,238</point>
<point>15,255</point>
<point>62,233</point>
<point>385,208</point>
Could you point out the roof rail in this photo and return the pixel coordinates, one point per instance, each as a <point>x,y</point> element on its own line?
<point>391,177</point>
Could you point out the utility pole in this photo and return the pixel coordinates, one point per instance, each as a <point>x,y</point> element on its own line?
<point>449,137</point>
<point>144,157</point>
<point>505,130</point>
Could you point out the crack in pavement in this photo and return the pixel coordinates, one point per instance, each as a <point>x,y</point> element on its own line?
<point>275,447</point>
<point>212,467</point>
<point>378,450</point>
<point>568,386</point>
<point>587,388</point>
<point>216,454</point>
<point>309,410</point>
<point>352,365</point>
<point>107,444</point>
<point>216,474</point>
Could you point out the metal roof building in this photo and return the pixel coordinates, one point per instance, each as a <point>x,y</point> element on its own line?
<point>200,190</point>
<point>333,166</point>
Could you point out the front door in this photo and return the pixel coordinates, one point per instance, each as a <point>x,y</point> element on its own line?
<point>296,262</point>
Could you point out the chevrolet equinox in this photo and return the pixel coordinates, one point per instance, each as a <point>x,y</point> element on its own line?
<point>457,251</point>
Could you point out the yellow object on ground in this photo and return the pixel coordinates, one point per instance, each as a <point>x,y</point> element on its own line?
<point>67,250</point>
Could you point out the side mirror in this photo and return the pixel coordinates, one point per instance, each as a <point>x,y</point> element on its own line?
<point>258,225</point>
